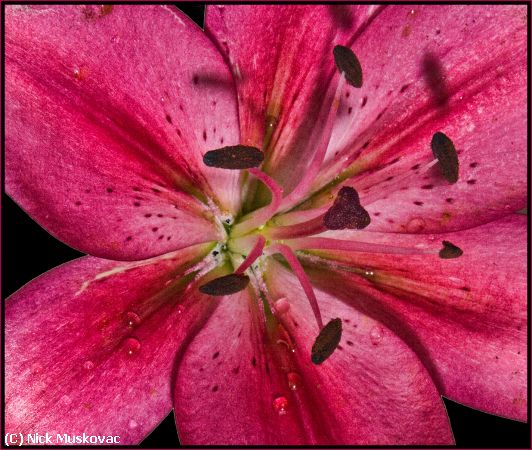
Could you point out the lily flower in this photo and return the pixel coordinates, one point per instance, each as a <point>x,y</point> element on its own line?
<point>301,222</point>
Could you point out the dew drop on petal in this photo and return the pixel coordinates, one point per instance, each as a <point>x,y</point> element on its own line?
<point>132,319</point>
<point>280,405</point>
<point>375,335</point>
<point>294,381</point>
<point>180,309</point>
<point>131,346</point>
<point>282,306</point>
<point>415,225</point>
<point>133,424</point>
<point>88,365</point>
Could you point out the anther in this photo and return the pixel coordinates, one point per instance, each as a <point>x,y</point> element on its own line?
<point>444,151</point>
<point>346,211</point>
<point>228,284</point>
<point>234,157</point>
<point>327,341</point>
<point>450,251</point>
<point>347,62</point>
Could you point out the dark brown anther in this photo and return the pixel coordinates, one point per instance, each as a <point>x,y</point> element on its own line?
<point>347,62</point>
<point>346,212</point>
<point>444,151</point>
<point>228,284</point>
<point>327,341</point>
<point>450,251</point>
<point>234,157</point>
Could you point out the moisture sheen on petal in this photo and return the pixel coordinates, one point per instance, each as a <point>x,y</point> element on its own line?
<point>234,157</point>
<point>346,211</point>
<point>226,285</point>
<point>327,341</point>
<point>444,151</point>
<point>347,62</point>
<point>450,251</point>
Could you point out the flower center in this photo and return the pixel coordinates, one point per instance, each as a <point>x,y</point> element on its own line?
<point>279,228</point>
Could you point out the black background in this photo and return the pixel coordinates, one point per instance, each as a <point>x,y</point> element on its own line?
<point>28,251</point>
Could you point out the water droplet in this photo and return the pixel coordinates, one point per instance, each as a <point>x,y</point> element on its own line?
<point>415,225</point>
<point>131,346</point>
<point>132,319</point>
<point>280,405</point>
<point>294,381</point>
<point>133,424</point>
<point>282,306</point>
<point>180,309</point>
<point>375,335</point>
<point>36,368</point>
<point>88,365</point>
<point>369,273</point>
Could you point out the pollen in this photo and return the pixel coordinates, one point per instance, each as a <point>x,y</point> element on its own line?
<point>327,341</point>
<point>236,157</point>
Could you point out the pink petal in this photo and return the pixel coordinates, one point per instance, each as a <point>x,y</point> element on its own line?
<point>109,110</point>
<point>481,53</point>
<point>282,61</point>
<point>466,317</point>
<point>238,382</point>
<point>90,345</point>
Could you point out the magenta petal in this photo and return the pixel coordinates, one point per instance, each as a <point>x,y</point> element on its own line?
<point>239,383</point>
<point>108,114</point>
<point>466,317</point>
<point>90,346</point>
<point>282,61</point>
<point>456,69</point>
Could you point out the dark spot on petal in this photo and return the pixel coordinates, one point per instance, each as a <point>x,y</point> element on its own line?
<point>136,204</point>
<point>87,191</point>
<point>159,215</point>
<point>346,211</point>
<point>377,214</point>
<point>366,144</point>
<point>427,186</point>
<point>350,343</point>
<point>466,289</point>
<point>389,179</point>
<point>234,157</point>
<point>435,79</point>
<point>235,370</point>
<point>445,152</point>
<point>254,362</point>
<point>380,114</point>
<point>136,189</point>
<point>364,101</point>
<point>214,253</point>
<point>214,388</point>
<point>347,62</point>
<point>473,165</point>
<point>168,118</point>
<point>417,166</point>
<point>161,237</point>
<point>404,87</point>
<point>129,238</point>
<point>327,341</point>
<point>215,355</point>
<point>471,181</point>
<point>178,132</point>
<point>450,251</point>
<point>418,203</point>
<point>109,190</point>
<point>390,220</point>
<point>156,191</point>
<point>349,110</point>
<point>204,135</point>
<point>147,215</point>
<point>168,238</point>
<point>449,200</point>
<point>78,203</point>
<point>195,80</point>
<point>228,284</point>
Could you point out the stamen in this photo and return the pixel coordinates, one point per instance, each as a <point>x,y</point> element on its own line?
<point>226,285</point>
<point>299,272</point>
<point>450,251</point>
<point>347,62</point>
<point>252,256</point>
<point>444,151</point>
<point>317,243</point>
<point>346,211</point>
<point>327,341</point>
<point>308,228</point>
<point>234,157</point>
<point>261,215</point>
<point>320,139</point>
